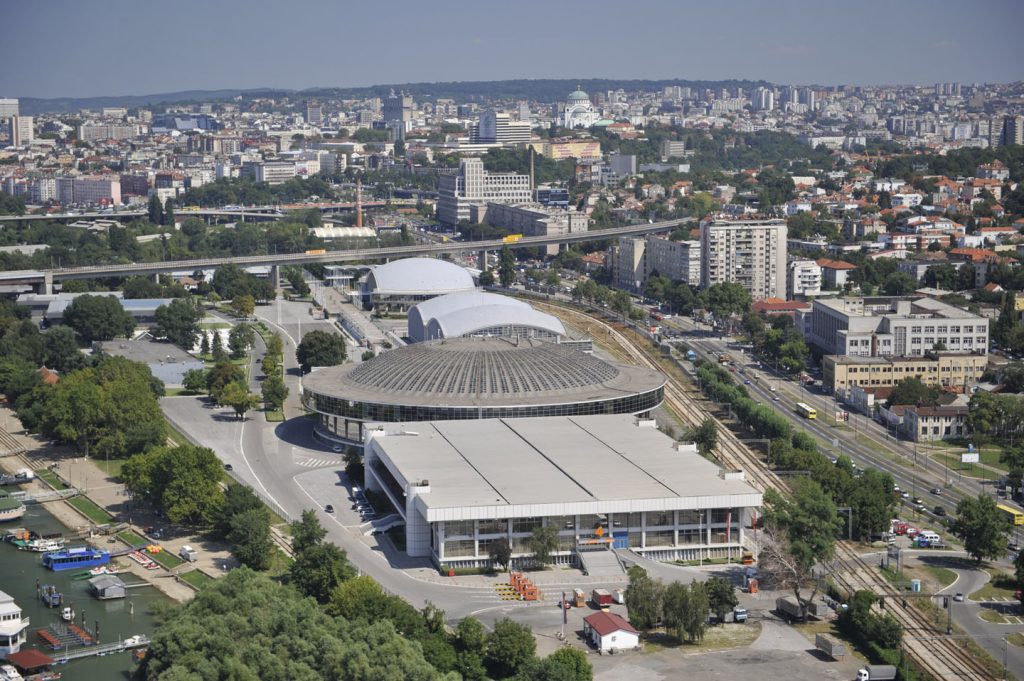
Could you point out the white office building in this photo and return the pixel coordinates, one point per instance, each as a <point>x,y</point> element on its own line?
<point>22,131</point>
<point>898,327</point>
<point>499,128</point>
<point>804,279</point>
<point>751,253</point>
<point>8,108</point>
<point>603,481</point>
<point>473,185</point>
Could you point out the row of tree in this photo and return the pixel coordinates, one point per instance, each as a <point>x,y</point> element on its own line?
<point>681,608</point>
<point>273,389</point>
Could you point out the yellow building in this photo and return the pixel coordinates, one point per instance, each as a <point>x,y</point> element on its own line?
<point>946,370</point>
<point>560,150</point>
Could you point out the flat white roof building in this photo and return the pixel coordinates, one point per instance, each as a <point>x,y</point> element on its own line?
<point>479,313</point>
<point>612,479</point>
<point>402,283</point>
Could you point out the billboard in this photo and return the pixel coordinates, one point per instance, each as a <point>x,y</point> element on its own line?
<point>969,457</point>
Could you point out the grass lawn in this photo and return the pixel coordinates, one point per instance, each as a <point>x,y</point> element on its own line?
<point>944,576</point>
<point>91,510</point>
<point>168,561</point>
<point>952,461</point>
<point>214,325</point>
<point>274,416</point>
<point>176,435</point>
<point>279,563</point>
<point>50,478</point>
<point>1016,639</point>
<point>718,637</point>
<point>196,578</point>
<point>132,538</point>
<point>1002,585</point>
<point>993,616</point>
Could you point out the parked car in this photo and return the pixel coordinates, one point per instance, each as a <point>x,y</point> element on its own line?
<point>939,511</point>
<point>228,467</point>
<point>959,597</point>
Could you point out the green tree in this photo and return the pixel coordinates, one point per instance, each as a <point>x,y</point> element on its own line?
<point>307,531</point>
<point>243,306</point>
<point>217,346</point>
<point>194,381</point>
<point>204,343</point>
<point>899,284</point>
<point>237,500</point>
<point>500,553</point>
<point>250,538</point>
<point>486,278</point>
<point>543,542</point>
<point>167,218</point>
<point>686,610</point>
<point>644,599</point>
<point>275,346</point>
<point>76,411</point>
<point>142,287</point>
<point>182,481</point>
<point>238,397</point>
<point>222,375</point>
<point>621,303</point>
<point>506,267</point>
<point>274,391</point>
<point>178,322</point>
<point>98,318</point>
<point>870,500</point>
<point>705,436</point>
<point>1008,320</point>
<point>725,299</point>
<point>701,204</point>
<point>912,390</point>
<point>509,646</point>
<point>801,533</point>
<point>156,210</point>
<point>319,569</point>
<point>721,596</point>
<point>240,339</point>
<point>60,350</point>
<point>320,349</point>
<point>982,527</point>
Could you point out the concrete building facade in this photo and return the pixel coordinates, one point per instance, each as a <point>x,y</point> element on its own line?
<point>940,370</point>
<point>474,185</point>
<point>749,253</point>
<point>804,279</point>
<point>533,219</point>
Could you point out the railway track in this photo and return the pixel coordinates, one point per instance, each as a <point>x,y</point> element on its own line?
<point>940,657</point>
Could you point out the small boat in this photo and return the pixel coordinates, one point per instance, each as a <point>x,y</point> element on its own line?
<point>10,508</point>
<point>49,595</point>
<point>41,545</point>
<point>67,614</point>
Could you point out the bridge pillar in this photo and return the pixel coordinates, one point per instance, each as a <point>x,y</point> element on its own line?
<point>156,277</point>
<point>482,261</point>
<point>46,287</point>
<point>275,276</point>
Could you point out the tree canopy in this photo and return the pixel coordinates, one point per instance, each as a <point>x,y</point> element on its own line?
<point>98,318</point>
<point>320,349</point>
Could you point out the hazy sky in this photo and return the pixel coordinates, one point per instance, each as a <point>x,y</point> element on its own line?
<point>74,48</point>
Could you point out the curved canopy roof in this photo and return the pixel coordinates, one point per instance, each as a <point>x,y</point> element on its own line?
<point>418,276</point>
<point>442,305</point>
<point>467,320</point>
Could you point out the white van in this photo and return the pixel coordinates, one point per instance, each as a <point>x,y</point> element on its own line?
<point>929,536</point>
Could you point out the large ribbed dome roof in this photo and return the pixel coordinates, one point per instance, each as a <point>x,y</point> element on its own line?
<point>481,371</point>
<point>491,366</point>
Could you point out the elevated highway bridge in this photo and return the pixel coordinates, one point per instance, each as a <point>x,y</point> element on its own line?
<point>42,280</point>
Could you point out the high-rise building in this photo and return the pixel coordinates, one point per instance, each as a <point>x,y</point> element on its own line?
<point>749,253</point>
<point>22,132</point>
<point>473,185</point>
<point>398,108</point>
<point>804,279</point>
<point>808,97</point>
<point>8,108</point>
<point>1013,130</point>
<point>634,260</point>
<point>763,99</point>
<point>314,113</point>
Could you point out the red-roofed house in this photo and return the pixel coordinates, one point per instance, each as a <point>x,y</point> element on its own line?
<point>778,306</point>
<point>835,272</point>
<point>48,376</point>
<point>608,631</point>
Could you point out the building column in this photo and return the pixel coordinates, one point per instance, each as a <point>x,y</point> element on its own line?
<point>275,276</point>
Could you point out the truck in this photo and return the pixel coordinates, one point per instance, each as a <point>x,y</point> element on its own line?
<point>739,614</point>
<point>619,596</point>
<point>188,554</point>
<point>579,598</point>
<point>602,598</point>
<point>789,608</point>
<point>877,672</point>
<point>830,645</point>
<point>691,355</point>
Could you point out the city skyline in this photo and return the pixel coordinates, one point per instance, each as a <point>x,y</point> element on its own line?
<point>135,49</point>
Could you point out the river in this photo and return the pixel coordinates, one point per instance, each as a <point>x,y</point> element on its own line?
<point>118,619</point>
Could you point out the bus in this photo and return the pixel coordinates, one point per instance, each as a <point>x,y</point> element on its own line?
<point>1013,515</point>
<point>806,410</point>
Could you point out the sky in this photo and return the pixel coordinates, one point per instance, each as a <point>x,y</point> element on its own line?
<point>76,48</point>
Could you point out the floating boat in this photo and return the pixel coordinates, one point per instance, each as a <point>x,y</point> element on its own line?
<point>40,545</point>
<point>49,595</point>
<point>67,614</point>
<point>10,508</point>
<point>9,673</point>
<point>80,557</point>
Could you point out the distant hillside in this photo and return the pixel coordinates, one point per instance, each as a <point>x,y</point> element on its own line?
<point>30,106</point>
<point>543,90</point>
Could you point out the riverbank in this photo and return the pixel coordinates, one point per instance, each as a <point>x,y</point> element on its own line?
<point>108,494</point>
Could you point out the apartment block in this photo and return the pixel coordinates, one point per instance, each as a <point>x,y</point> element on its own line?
<point>473,185</point>
<point>22,131</point>
<point>750,253</point>
<point>894,327</point>
<point>8,107</point>
<point>97,190</point>
<point>804,279</point>
<point>937,369</point>
<point>634,260</point>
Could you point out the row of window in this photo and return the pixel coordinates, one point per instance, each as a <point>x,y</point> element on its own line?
<point>589,523</point>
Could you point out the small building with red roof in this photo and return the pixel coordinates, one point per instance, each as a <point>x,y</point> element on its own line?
<point>836,272</point>
<point>608,631</point>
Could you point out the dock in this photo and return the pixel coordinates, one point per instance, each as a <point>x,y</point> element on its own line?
<point>104,649</point>
<point>44,497</point>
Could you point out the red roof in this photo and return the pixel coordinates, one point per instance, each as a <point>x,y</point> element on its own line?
<point>777,306</point>
<point>29,659</point>
<point>835,264</point>
<point>605,623</point>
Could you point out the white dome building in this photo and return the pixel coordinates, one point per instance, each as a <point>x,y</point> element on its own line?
<point>579,112</point>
